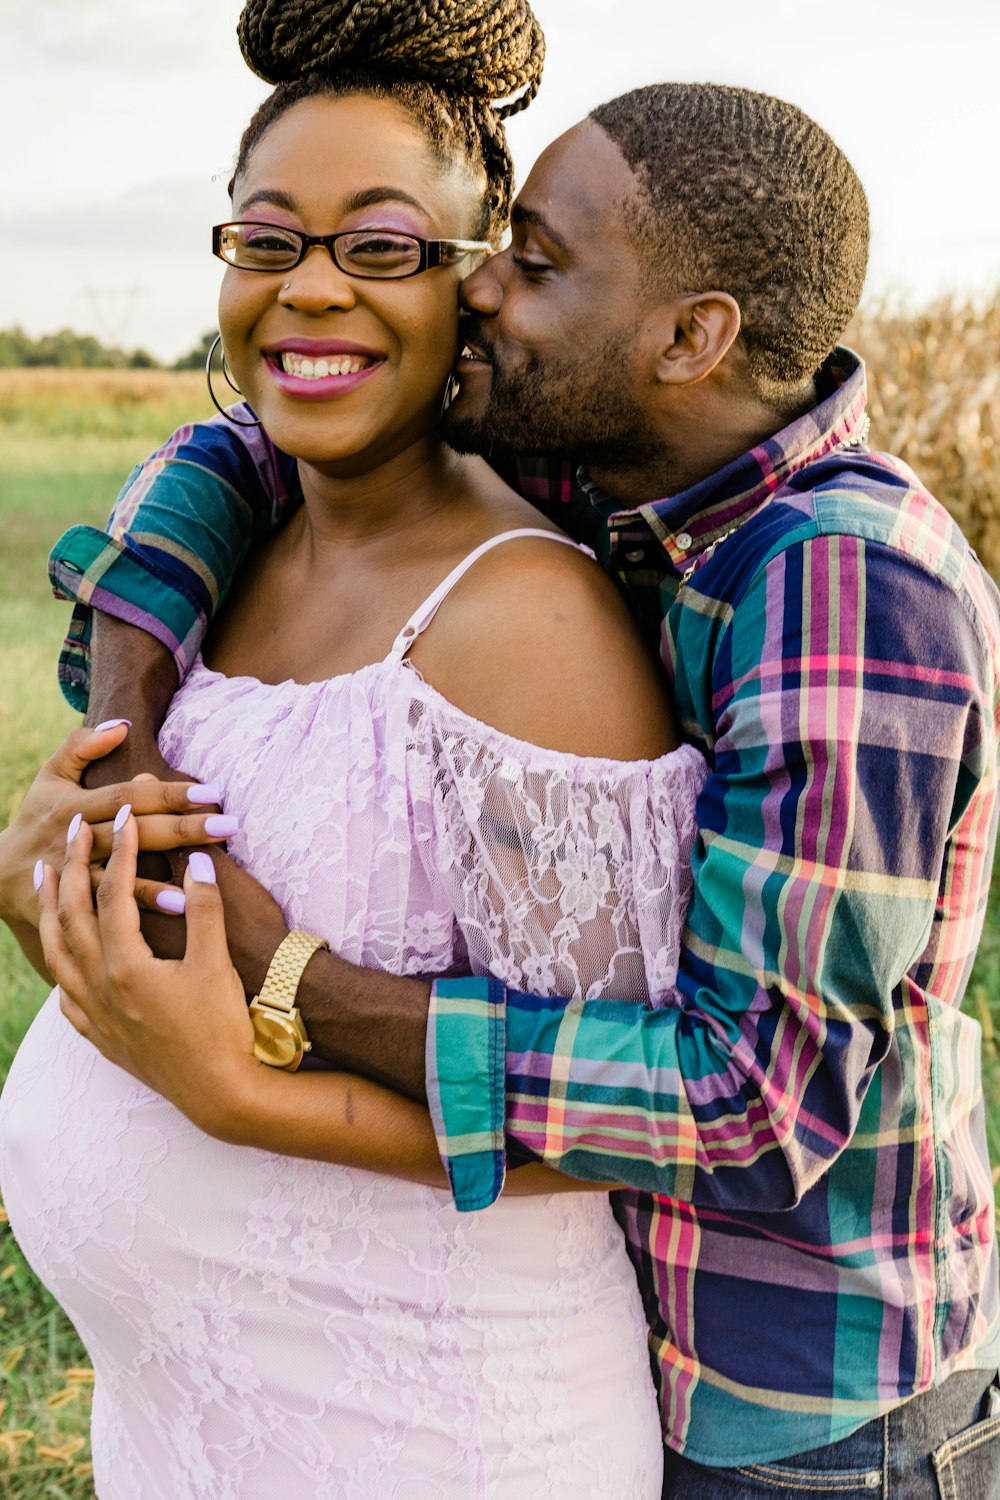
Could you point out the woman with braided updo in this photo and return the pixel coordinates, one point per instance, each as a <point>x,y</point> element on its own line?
<point>441,747</point>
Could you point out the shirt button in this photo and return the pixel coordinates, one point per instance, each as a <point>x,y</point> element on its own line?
<point>684,540</point>
<point>636,555</point>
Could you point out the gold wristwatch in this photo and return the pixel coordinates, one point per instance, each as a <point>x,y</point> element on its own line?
<point>279,1034</point>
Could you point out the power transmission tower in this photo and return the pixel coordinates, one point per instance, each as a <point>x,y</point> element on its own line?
<point>114,309</point>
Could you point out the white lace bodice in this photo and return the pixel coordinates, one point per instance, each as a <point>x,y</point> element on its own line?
<point>418,840</point>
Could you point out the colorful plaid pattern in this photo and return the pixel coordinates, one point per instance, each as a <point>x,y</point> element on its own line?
<point>180,528</point>
<point>809,1202</point>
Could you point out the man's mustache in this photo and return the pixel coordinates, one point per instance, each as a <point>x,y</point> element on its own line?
<point>470,334</point>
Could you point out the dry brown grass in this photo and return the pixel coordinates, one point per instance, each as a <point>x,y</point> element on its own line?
<point>934,385</point>
<point>41,404</point>
<point>41,387</point>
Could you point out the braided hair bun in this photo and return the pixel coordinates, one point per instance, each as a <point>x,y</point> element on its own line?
<point>452,64</point>
<point>482,50</point>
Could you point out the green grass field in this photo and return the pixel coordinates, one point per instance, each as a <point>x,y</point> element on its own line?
<point>68,441</point>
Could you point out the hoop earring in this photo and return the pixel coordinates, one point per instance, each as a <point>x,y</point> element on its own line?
<point>208,376</point>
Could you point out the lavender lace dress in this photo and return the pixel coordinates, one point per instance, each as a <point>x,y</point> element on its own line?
<point>266,1327</point>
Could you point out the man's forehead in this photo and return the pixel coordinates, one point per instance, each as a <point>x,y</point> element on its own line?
<point>578,182</point>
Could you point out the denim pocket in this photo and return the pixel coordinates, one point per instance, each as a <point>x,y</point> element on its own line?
<point>784,1479</point>
<point>968,1465</point>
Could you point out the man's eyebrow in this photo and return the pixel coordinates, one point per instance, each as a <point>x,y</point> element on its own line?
<point>521,215</point>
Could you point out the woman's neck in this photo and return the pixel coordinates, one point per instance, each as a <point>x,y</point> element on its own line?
<point>411,489</point>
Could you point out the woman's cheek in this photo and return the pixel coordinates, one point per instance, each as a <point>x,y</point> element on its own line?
<point>235,320</point>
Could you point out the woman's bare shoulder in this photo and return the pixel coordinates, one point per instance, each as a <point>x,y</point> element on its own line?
<point>537,641</point>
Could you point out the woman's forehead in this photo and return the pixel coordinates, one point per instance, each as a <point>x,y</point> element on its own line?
<point>327,153</point>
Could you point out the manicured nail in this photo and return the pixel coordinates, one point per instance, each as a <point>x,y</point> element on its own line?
<point>172,901</point>
<point>201,867</point>
<point>39,874</point>
<point>202,795</point>
<point>122,816</point>
<point>74,828</point>
<point>221,825</point>
<point>110,724</point>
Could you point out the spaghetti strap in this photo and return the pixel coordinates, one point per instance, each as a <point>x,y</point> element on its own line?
<point>422,617</point>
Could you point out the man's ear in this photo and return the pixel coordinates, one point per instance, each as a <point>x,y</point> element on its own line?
<point>694,333</point>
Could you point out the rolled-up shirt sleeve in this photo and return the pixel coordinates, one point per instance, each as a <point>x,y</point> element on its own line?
<point>180,529</point>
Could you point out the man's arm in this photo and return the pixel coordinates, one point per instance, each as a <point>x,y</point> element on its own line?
<point>854,781</point>
<point>179,532</point>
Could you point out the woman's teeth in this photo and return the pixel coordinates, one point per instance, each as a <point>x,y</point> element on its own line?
<point>319,369</point>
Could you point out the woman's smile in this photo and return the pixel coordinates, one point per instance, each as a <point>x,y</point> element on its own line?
<point>314,369</point>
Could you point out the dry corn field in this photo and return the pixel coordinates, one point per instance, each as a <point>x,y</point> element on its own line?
<point>69,438</point>
<point>934,389</point>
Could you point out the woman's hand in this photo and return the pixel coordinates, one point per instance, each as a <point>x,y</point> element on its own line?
<point>178,1025</point>
<point>172,813</point>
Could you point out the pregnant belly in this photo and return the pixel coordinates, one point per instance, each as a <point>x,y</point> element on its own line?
<point>290,1317</point>
<point>108,1185</point>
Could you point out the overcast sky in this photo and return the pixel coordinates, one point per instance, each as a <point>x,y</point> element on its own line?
<point>119,119</point>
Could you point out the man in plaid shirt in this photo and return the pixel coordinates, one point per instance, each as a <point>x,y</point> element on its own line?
<point>806,1195</point>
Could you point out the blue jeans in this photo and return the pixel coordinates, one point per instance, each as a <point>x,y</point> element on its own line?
<point>943,1445</point>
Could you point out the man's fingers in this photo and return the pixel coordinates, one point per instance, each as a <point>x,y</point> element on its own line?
<point>164,831</point>
<point>206,946</point>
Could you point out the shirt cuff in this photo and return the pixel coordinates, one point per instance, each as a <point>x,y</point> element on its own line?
<point>466,1072</point>
<point>115,576</point>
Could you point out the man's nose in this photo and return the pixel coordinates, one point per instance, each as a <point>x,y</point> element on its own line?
<point>482,290</point>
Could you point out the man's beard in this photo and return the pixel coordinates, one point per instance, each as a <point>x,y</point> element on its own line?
<point>582,412</point>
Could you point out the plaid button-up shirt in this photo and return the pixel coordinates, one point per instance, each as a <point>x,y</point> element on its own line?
<point>808,1198</point>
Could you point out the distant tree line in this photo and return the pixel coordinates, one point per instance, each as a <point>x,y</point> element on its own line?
<point>82,351</point>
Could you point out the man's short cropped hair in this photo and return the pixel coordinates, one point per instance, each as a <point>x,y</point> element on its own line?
<point>742,193</point>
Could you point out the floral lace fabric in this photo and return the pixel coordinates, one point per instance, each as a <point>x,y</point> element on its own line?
<point>265,1326</point>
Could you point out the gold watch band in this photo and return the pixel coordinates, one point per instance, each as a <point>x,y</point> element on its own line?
<point>284,972</point>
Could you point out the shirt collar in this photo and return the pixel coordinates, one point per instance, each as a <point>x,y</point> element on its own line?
<point>689,523</point>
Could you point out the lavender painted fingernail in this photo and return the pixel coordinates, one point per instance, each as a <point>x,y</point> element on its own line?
<point>202,795</point>
<point>110,724</point>
<point>74,828</point>
<point>122,816</point>
<point>172,901</point>
<point>39,874</point>
<point>221,825</point>
<point>201,867</point>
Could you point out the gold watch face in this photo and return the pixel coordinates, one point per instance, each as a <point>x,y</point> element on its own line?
<point>276,1039</point>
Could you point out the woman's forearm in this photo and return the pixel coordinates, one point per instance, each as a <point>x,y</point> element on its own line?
<point>347,1120</point>
<point>333,1117</point>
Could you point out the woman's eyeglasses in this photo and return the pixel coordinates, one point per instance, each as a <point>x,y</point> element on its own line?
<point>376,254</point>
